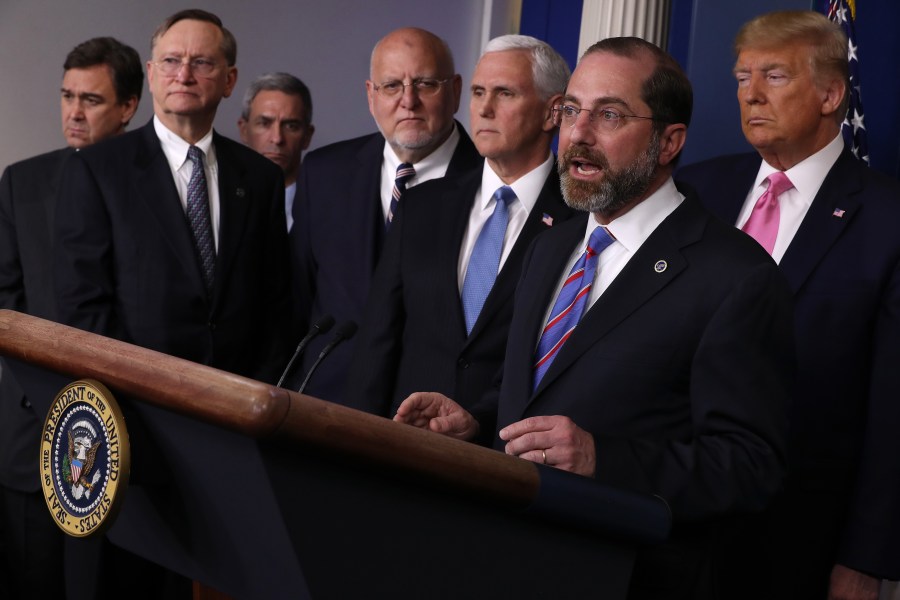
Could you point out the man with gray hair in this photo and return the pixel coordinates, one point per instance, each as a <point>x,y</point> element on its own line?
<point>276,121</point>
<point>348,191</point>
<point>441,301</point>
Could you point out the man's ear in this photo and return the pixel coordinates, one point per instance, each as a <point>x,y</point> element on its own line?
<point>671,141</point>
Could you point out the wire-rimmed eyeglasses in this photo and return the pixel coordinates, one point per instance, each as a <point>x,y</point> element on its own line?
<point>424,86</point>
<point>201,67</point>
<point>605,119</point>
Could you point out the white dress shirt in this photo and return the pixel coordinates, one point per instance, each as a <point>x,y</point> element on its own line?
<point>527,189</point>
<point>431,167</point>
<point>629,231</point>
<point>807,177</point>
<point>176,152</point>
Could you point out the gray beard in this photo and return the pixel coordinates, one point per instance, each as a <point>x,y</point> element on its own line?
<point>617,189</point>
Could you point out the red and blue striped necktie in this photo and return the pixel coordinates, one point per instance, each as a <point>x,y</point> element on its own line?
<point>570,303</point>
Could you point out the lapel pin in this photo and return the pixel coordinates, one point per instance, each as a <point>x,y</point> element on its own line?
<point>660,266</point>
<point>838,212</point>
<point>547,220</point>
<point>240,193</point>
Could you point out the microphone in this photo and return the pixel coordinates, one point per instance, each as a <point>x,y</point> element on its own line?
<point>345,331</point>
<point>324,323</point>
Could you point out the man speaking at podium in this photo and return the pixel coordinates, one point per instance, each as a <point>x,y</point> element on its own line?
<point>650,344</point>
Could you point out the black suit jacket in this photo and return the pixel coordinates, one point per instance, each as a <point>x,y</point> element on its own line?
<point>125,263</point>
<point>414,334</point>
<point>336,243</point>
<point>681,372</point>
<point>843,266</point>
<point>27,198</point>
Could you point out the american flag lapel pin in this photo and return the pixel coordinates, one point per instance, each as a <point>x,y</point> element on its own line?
<point>547,220</point>
<point>838,212</point>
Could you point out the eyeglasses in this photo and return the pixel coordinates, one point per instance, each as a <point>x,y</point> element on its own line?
<point>201,67</point>
<point>605,119</point>
<point>424,86</point>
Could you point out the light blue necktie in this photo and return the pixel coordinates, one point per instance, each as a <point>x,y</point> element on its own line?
<point>485,259</point>
<point>570,303</point>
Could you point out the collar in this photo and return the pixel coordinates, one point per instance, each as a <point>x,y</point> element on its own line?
<point>176,149</point>
<point>527,187</point>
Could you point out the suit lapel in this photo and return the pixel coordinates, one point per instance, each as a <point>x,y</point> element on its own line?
<point>234,203</point>
<point>454,206</point>
<point>155,187</point>
<point>533,298</point>
<point>831,212</point>
<point>638,282</point>
<point>369,227</point>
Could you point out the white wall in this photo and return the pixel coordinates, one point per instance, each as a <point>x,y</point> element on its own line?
<point>327,44</point>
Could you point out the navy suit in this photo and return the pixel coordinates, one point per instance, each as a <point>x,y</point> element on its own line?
<point>414,334</point>
<point>843,265</point>
<point>27,198</point>
<point>337,240</point>
<point>126,267</point>
<point>681,371</point>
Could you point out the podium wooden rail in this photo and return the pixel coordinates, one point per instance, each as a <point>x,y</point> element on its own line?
<point>260,492</point>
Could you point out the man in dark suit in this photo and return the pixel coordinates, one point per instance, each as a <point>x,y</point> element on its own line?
<point>834,532</point>
<point>101,88</point>
<point>131,260</point>
<point>345,190</point>
<point>173,237</point>
<point>435,320</point>
<point>676,380</point>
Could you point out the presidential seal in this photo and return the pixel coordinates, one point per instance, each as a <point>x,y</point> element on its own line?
<point>84,458</point>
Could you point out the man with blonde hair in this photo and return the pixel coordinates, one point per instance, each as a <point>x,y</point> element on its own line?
<point>830,222</point>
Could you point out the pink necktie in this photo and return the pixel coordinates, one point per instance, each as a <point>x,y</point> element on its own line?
<point>763,222</point>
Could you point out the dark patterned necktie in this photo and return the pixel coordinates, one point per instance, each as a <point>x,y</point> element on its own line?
<point>198,216</point>
<point>405,172</point>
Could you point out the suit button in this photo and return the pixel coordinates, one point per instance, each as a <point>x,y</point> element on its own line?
<point>463,363</point>
<point>211,325</point>
<point>26,403</point>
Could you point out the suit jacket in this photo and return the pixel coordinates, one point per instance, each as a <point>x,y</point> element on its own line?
<point>843,266</point>
<point>336,243</point>
<point>126,267</point>
<point>27,198</point>
<point>681,372</point>
<point>414,334</point>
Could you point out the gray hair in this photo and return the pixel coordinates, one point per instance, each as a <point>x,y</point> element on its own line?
<point>549,70</point>
<point>278,82</point>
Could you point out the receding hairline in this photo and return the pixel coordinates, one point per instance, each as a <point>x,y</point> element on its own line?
<point>417,37</point>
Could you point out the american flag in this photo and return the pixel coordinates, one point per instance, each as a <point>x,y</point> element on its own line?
<point>843,12</point>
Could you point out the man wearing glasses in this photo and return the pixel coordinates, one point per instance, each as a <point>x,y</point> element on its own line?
<point>441,301</point>
<point>173,237</point>
<point>348,192</point>
<point>650,344</point>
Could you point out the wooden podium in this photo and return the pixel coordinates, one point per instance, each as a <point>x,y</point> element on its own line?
<point>259,492</point>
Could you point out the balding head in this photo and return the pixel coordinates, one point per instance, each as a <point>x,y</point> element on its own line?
<point>415,110</point>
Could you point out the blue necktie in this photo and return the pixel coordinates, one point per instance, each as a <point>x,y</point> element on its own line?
<point>570,303</point>
<point>405,172</point>
<point>485,260</point>
<point>198,216</point>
